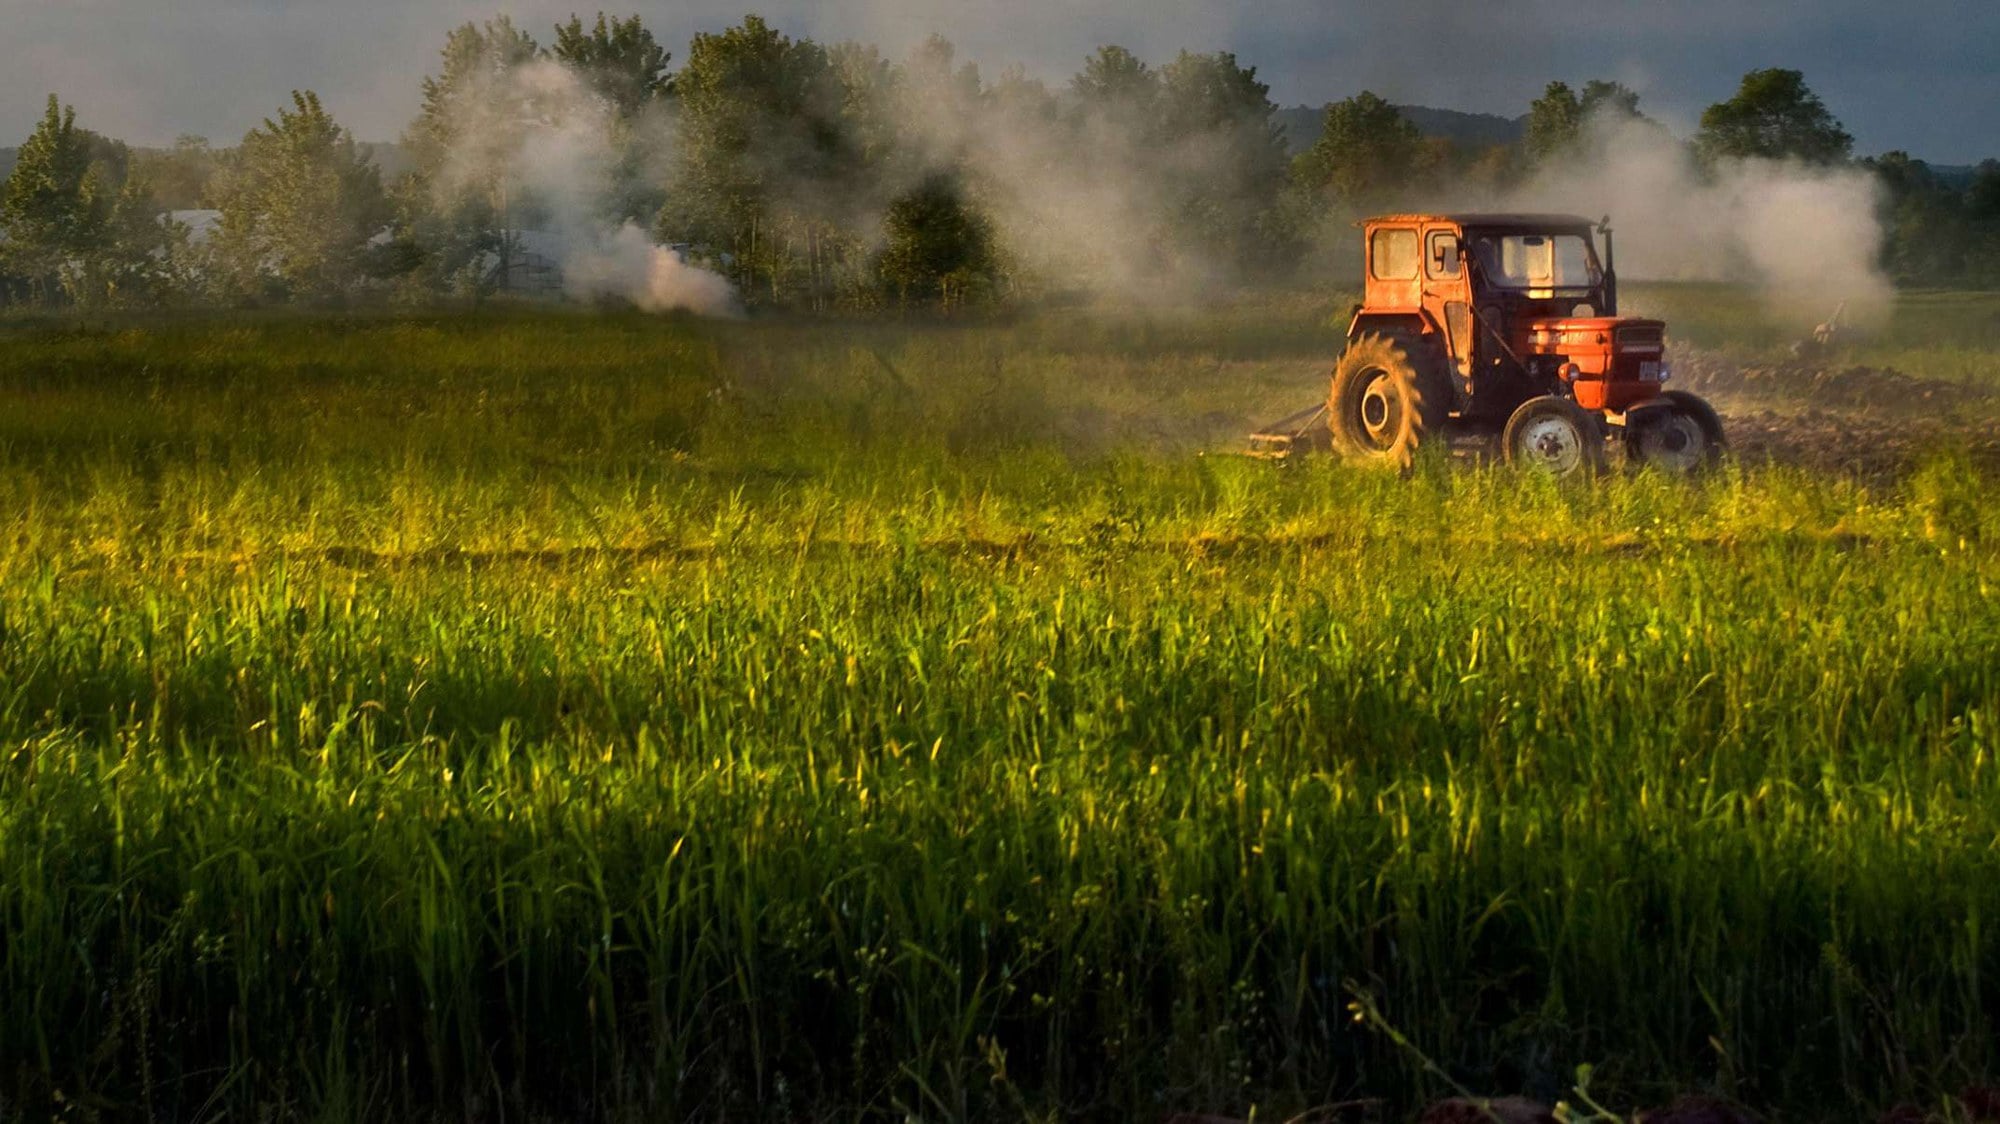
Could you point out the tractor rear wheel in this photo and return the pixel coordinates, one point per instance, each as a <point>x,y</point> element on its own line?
<point>1386,403</point>
<point>1682,439</point>
<point>1552,435</point>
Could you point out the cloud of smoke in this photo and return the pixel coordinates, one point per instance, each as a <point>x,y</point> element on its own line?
<point>1095,195</point>
<point>1116,209</point>
<point>559,157</point>
<point>1087,196</point>
<point>628,264</point>
<point>1087,223</point>
<point>1808,237</point>
<point>1092,195</point>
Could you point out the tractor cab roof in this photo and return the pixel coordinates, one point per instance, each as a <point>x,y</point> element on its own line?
<point>1493,220</point>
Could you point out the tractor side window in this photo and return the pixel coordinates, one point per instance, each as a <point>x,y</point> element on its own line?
<point>1392,254</point>
<point>1441,254</point>
<point>1572,262</point>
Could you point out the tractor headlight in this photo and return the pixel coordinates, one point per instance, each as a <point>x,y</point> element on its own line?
<point>1570,372</point>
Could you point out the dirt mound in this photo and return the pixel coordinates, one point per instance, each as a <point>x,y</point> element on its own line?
<point>1870,422</point>
<point>1872,388</point>
<point>1869,447</point>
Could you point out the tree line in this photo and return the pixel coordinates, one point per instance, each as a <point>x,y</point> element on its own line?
<point>830,176</point>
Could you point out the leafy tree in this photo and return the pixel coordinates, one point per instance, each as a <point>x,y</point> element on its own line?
<point>1228,164</point>
<point>1116,83</point>
<point>871,118</point>
<point>1918,219</point>
<point>764,158</point>
<point>1557,119</point>
<point>1114,106</point>
<point>1776,116</point>
<point>1214,95</point>
<point>299,205</point>
<point>55,204</point>
<point>1982,198</point>
<point>1934,233</point>
<point>179,176</point>
<point>1495,168</point>
<point>620,60</point>
<point>478,62</point>
<point>933,74</point>
<point>146,259</point>
<point>454,204</point>
<point>938,114</point>
<point>937,247</point>
<point>1612,99</point>
<point>1017,96</point>
<point>1903,176</point>
<point>1982,214</point>
<point>1366,151</point>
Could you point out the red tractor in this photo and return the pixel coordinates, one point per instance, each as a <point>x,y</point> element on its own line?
<point>1506,326</point>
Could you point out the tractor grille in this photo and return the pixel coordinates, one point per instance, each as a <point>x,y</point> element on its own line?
<point>1644,337</point>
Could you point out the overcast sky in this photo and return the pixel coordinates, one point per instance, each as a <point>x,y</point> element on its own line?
<point>1920,75</point>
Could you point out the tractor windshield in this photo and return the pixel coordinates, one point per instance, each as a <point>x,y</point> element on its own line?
<point>1542,265</point>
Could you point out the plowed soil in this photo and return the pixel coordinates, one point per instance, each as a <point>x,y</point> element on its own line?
<point>1871,422</point>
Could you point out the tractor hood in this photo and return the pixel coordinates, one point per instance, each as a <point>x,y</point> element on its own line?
<point>1605,336</point>
<point>1610,362</point>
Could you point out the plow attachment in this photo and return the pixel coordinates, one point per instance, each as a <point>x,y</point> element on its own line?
<point>1295,433</point>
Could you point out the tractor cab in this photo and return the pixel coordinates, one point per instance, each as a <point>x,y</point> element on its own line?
<point>1470,319</point>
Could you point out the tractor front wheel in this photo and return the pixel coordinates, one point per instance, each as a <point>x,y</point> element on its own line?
<point>1683,438</point>
<point>1385,403</point>
<point>1552,435</point>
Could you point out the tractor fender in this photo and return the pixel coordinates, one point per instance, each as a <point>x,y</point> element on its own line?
<point>1638,411</point>
<point>1417,326</point>
<point>1675,400</point>
<point>1406,322</point>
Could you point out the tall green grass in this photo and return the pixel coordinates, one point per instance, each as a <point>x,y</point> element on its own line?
<point>582,718</point>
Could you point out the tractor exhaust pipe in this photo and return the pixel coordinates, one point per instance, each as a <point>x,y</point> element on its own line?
<point>1610,269</point>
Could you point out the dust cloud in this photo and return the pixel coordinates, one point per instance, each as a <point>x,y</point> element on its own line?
<point>550,148</point>
<point>1096,196</point>
<point>1094,199</point>
<point>1808,237</point>
<point>628,264</point>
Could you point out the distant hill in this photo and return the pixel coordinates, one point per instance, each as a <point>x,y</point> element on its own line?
<point>7,158</point>
<point>1958,177</point>
<point>1476,130</point>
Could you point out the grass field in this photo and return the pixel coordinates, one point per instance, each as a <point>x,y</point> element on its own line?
<point>543,716</point>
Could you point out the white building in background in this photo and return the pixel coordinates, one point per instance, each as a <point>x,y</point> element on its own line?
<point>201,224</point>
<point>529,267</point>
<point>532,263</point>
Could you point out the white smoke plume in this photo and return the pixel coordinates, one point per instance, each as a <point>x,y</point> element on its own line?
<point>1091,197</point>
<point>1083,197</point>
<point>1105,207</point>
<point>552,148</point>
<point>1808,237</point>
<point>630,265</point>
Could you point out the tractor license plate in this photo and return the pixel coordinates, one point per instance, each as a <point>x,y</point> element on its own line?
<point>1651,370</point>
